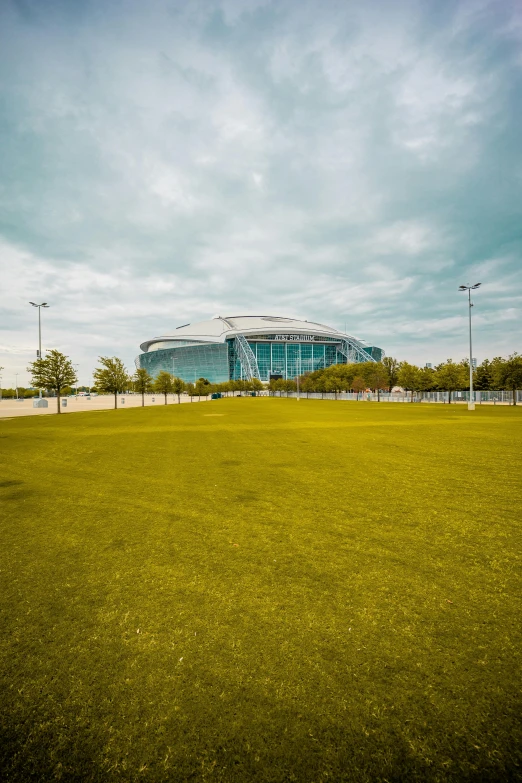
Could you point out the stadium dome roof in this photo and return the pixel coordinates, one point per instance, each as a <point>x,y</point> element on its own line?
<point>219,329</point>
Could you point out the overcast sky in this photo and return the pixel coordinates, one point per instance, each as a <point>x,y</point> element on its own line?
<point>163,162</point>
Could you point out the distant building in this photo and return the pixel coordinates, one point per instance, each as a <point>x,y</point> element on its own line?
<point>429,366</point>
<point>247,347</point>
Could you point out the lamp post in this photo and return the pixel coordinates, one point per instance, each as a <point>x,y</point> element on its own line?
<point>39,353</point>
<point>16,383</point>
<point>76,365</point>
<point>469,289</point>
<point>298,368</point>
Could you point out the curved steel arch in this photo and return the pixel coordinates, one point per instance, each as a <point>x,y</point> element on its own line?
<point>246,358</point>
<point>354,351</point>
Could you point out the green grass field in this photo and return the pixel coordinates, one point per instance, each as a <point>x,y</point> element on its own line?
<point>262,590</point>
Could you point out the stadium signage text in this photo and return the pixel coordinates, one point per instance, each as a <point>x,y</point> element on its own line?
<point>297,337</point>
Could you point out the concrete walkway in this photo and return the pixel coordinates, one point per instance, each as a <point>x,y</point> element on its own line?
<point>11,408</point>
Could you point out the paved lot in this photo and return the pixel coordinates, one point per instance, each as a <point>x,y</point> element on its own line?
<point>11,408</point>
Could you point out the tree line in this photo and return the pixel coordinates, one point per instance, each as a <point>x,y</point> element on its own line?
<point>165,383</point>
<point>449,376</point>
<point>55,373</point>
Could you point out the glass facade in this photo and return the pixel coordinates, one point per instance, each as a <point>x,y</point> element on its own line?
<point>288,359</point>
<point>375,353</point>
<point>206,360</point>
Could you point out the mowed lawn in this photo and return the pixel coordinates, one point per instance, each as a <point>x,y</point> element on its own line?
<point>262,590</point>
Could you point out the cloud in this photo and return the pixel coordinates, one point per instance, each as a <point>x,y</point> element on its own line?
<point>343,162</point>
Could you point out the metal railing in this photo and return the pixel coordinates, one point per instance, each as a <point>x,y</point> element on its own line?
<point>486,397</point>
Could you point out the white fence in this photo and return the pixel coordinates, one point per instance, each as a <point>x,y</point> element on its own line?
<point>490,397</point>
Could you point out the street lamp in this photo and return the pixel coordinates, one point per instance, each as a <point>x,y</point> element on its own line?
<point>76,365</point>
<point>39,353</point>
<point>298,368</point>
<point>16,383</point>
<point>469,289</point>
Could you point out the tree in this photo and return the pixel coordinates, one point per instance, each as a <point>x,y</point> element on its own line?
<point>358,384</point>
<point>392,368</point>
<point>378,378</point>
<point>365,371</point>
<point>239,386</point>
<point>202,387</point>
<point>142,383</point>
<point>408,377</point>
<point>227,387</point>
<point>331,385</point>
<point>111,377</point>
<point>178,386</point>
<point>189,388</point>
<point>163,384</point>
<point>450,377</point>
<point>317,379</point>
<point>508,374</point>
<point>278,385</point>
<point>348,373</point>
<point>54,372</point>
<point>286,386</point>
<point>426,380</point>
<point>483,376</point>
<point>307,384</point>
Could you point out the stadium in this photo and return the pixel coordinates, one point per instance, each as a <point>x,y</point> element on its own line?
<point>248,347</point>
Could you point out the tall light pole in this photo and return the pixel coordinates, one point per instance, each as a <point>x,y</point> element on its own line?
<point>298,367</point>
<point>39,353</point>
<point>76,365</point>
<point>469,289</point>
<point>16,383</point>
